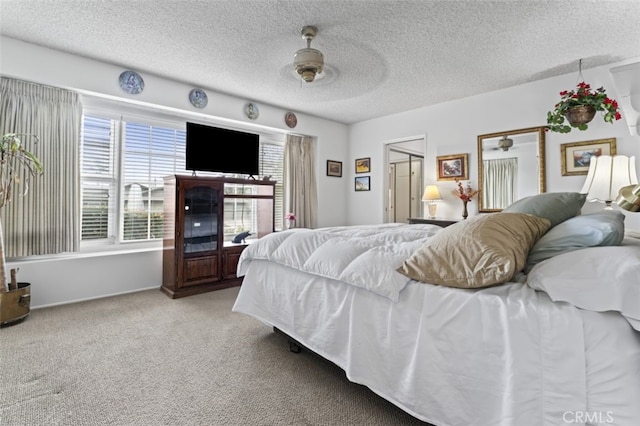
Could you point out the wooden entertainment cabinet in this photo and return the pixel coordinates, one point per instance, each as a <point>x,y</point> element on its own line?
<point>201,217</point>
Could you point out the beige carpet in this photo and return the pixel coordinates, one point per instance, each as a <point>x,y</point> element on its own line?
<point>144,359</point>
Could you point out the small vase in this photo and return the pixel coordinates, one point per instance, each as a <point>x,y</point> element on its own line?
<point>290,224</point>
<point>464,210</point>
<point>581,114</point>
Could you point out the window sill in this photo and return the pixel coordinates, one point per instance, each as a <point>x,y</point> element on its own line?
<point>88,253</point>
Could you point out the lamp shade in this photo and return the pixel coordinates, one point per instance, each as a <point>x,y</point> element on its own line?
<point>606,175</point>
<point>431,193</point>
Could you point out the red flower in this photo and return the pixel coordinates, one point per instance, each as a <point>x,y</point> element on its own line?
<point>618,116</point>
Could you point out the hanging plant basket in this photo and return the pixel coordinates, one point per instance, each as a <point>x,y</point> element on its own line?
<point>582,114</point>
<point>579,106</point>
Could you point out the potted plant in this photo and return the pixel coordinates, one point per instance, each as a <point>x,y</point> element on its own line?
<point>17,166</point>
<point>579,106</point>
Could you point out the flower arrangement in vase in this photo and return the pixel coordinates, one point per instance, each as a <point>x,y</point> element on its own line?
<point>291,218</point>
<point>465,194</point>
<point>579,106</point>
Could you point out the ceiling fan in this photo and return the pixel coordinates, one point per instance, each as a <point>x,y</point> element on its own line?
<point>505,143</point>
<point>308,62</point>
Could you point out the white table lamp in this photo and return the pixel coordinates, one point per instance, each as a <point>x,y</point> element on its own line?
<point>432,196</point>
<point>607,175</point>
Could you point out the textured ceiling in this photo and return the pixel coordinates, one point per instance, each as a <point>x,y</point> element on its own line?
<point>382,56</point>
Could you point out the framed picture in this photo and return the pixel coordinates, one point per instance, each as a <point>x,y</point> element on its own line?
<point>363,165</point>
<point>452,167</point>
<point>334,168</point>
<point>363,183</point>
<point>575,158</point>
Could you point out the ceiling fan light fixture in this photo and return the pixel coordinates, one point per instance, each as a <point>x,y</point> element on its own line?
<point>505,143</point>
<point>308,62</point>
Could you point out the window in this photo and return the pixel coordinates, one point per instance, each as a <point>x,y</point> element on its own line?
<point>149,154</point>
<point>123,164</point>
<point>98,181</point>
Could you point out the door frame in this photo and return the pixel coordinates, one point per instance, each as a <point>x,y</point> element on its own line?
<point>413,145</point>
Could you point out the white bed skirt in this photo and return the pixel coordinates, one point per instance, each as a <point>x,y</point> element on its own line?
<point>504,355</point>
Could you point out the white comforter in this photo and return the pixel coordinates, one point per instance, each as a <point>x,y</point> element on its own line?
<point>505,355</point>
<point>364,256</point>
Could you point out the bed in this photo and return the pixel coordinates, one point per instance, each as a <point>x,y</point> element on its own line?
<point>546,336</point>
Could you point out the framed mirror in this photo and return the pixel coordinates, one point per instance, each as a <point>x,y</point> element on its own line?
<point>511,166</point>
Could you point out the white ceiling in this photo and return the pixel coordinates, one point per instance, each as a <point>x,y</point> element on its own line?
<point>382,56</point>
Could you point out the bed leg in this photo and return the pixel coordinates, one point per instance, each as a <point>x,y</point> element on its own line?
<point>294,346</point>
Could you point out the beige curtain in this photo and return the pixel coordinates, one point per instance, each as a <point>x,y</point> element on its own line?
<point>499,185</point>
<point>46,219</point>
<point>300,194</point>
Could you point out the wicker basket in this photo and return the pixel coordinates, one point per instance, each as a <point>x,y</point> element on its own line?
<point>580,114</point>
<point>15,304</point>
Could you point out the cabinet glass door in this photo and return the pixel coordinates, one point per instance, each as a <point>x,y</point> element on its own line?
<point>200,219</point>
<point>248,208</point>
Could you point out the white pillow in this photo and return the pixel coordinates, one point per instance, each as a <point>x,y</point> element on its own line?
<point>596,278</point>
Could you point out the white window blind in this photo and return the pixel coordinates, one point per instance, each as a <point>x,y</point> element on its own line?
<point>150,153</point>
<point>98,178</point>
<point>271,163</point>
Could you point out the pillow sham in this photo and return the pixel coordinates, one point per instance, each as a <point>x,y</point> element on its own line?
<point>605,228</point>
<point>478,252</point>
<point>596,278</point>
<point>555,206</point>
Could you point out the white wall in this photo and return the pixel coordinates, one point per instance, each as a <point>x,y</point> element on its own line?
<point>68,279</point>
<point>453,127</point>
<point>61,280</point>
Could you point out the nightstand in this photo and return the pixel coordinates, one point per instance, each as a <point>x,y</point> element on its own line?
<point>435,221</point>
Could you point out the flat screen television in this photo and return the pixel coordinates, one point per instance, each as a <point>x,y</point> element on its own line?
<point>214,149</point>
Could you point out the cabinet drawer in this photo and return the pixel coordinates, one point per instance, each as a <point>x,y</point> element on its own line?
<point>200,269</point>
<point>230,261</point>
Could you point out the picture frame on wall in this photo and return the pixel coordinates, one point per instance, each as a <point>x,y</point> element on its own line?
<point>575,157</point>
<point>334,168</point>
<point>362,183</point>
<point>363,165</point>
<point>452,167</point>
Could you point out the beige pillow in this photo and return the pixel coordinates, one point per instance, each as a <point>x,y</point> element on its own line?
<point>478,252</point>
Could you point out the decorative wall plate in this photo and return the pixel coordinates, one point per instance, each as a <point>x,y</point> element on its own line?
<point>290,120</point>
<point>198,98</point>
<point>131,82</point>
<point>251,111</point>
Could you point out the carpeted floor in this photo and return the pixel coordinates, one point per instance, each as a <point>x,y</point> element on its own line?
<point>144,359</point>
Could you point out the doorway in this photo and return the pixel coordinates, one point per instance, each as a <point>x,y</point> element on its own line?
<point>405,165</point>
